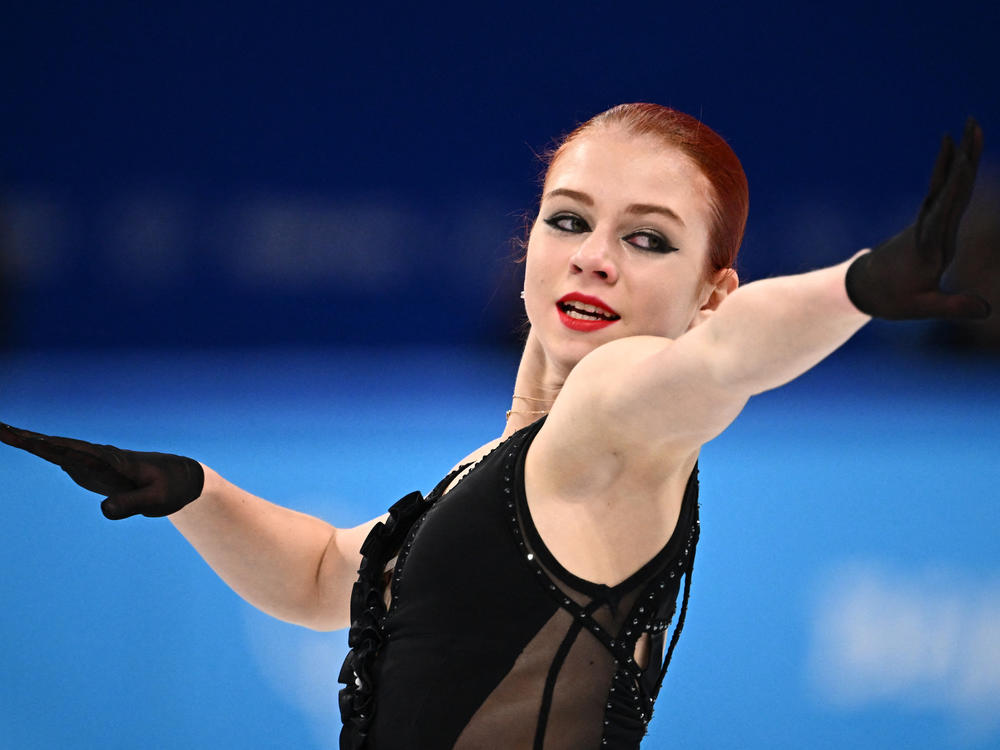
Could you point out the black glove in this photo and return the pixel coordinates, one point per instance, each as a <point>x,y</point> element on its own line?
<point>154,484</point>
<point>900,278</point>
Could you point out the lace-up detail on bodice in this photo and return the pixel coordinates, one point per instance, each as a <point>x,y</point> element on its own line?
<point>489,641</point>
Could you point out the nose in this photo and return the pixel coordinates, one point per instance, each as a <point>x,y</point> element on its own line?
<point>594,256</point>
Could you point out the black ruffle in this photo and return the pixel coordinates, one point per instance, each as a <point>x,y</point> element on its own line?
<point>368,613</point>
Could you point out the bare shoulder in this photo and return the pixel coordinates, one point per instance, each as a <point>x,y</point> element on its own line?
<point>625,367</point>
<point>636,402</point>
<point>610,367</point>
<point>583,442</point>
<point>596,397</point>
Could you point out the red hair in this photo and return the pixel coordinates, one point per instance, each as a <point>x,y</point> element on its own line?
<point>706,148</point>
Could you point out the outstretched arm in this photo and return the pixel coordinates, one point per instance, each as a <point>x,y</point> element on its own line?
<point>291,565</point>
<point>779,328</point>
<point>771,331</point>
<point>288,564</point>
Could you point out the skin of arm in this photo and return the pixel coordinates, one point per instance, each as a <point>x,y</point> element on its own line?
<point>771,331</point>
<point>290,565</point>
<point>654,391</point>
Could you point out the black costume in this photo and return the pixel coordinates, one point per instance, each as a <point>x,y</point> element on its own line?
<point>488,641</point>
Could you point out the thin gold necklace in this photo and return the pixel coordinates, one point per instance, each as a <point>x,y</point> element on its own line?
<point>528,398</point>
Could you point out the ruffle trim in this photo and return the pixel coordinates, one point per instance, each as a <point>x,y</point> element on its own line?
<point>368,613</point>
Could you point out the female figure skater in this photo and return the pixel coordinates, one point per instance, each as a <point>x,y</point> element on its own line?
<point>526,602</point>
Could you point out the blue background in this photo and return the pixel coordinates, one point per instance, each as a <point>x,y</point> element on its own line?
<point>276,237</point>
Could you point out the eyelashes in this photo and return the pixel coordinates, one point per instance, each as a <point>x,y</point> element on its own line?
<point>654,242</point>
<point>570,223</point>
<point>648,240</point>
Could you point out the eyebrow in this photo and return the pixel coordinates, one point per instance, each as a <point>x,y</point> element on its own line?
<point>634,208</point>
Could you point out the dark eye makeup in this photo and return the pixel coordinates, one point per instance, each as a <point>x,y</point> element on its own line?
<point>643,239</point>
<point>654,242</point>
<point>568,223</point>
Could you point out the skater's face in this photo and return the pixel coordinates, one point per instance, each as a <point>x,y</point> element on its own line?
<point>620,246</point>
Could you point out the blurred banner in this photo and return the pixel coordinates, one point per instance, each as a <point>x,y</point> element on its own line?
<point>317,173</point>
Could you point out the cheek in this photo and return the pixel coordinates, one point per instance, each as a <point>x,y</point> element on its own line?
<point>537,266</point>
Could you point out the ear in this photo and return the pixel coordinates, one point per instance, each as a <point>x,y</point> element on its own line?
<point>723,283</point>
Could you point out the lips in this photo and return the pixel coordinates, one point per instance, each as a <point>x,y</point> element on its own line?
<point>581,312</point>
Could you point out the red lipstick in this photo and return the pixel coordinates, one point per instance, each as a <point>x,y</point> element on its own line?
<point>581,312</point>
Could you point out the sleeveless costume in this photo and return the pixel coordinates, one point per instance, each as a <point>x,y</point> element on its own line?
<point>488,641</point>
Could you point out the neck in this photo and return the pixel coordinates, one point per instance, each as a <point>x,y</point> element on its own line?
<point>538,383</point>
